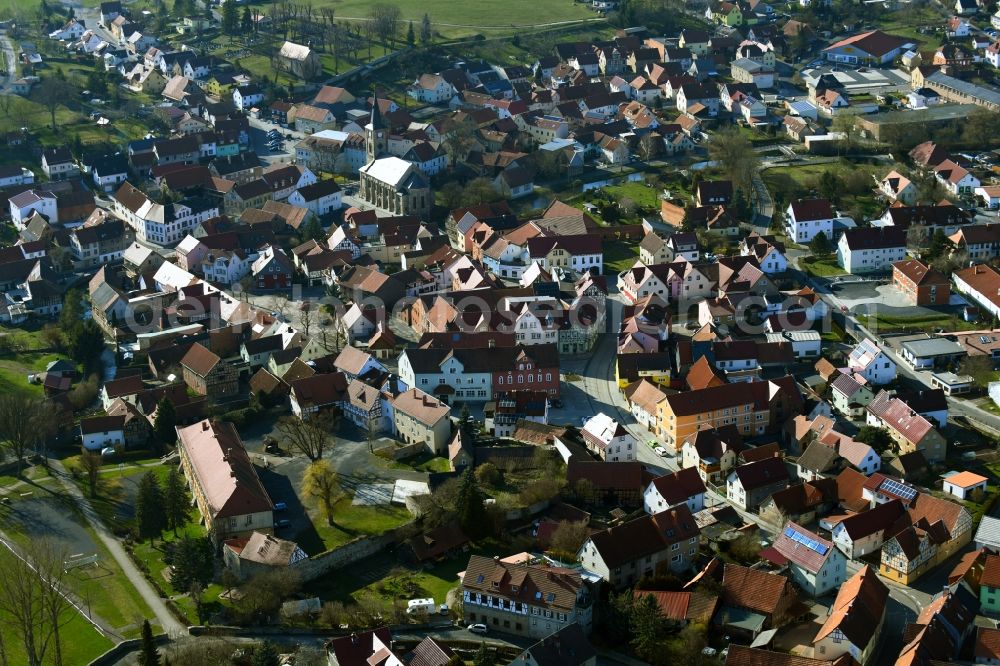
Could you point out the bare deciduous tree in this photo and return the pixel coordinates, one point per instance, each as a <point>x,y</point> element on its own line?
<point>385,21</point>
<point>25,423</point>
<point>32,600</point>
<point>91,464</point>
<point>309,437</point>
<point>307,317</point>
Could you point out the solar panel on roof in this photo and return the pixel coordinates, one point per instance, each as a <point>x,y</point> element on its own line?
<point>808,542</point>
<point>899,489</point>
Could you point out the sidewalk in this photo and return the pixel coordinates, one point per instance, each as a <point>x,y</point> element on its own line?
<point>170,625</point>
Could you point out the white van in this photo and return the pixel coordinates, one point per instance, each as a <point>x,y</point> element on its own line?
<point>414,606</point>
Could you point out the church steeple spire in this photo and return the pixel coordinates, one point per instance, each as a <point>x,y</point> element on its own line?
<point>376,138</point>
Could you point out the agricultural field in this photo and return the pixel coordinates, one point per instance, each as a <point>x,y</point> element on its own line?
<point>455,19</point>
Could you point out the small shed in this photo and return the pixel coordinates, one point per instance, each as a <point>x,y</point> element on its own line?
<point>963,484</point>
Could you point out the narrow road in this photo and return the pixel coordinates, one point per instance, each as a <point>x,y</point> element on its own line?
<point>10,60</point>
<point>171,626</point>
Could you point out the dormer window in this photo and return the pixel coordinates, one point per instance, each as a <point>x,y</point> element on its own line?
<point>496,585</point>
<point>513,588</point>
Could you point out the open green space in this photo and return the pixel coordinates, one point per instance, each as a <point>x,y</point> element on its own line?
<point>459,19</point>
<point>907,23</point>
<point>80,641</point>
<point>854,185</point>
<point>425,462</point>
<point>639,192</point>
<point>821,266</point>
<point>887,323</point>
<point>387,580</point>
<point>103,588</point>
<point>350,523</point>
<point>619,256</point>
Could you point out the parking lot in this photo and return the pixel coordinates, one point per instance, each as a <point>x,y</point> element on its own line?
<point>282,151</point>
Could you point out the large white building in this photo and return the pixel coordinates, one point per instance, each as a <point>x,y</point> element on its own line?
<point>871,250</point>
<point>807,218</point>
<point>161,224</point>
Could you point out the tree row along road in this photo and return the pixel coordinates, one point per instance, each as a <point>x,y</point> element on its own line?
<point>551,24</point>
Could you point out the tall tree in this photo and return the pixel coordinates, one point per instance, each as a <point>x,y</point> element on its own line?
<point>469,507</point>
<point>484,656</point>
<point>149,516</point>
<point>25,423</point>
<point>734,154</point>
<point>411,37</point>
<point>648,627</point>
<point>875,437</point>
<point>320,483</point>
<point>90,461</point>
<point>820,245</point>
<point>311,437</point>
<point>165,423</point>
<point>148,654</point>
<point>50,93</point>
<point>230,17</point>
<point>246,22</point>
<point>31,599</point>
<point>193,560</point>
<point>175,500</point>
<point>425,30</point>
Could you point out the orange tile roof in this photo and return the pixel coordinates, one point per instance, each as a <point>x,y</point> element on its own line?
<point>965,479</point>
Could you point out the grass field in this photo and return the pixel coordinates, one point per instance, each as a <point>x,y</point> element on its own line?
<point>856,183</point>
<point>103,588</point>
<point>81,643</point>
<point>825,267</point>
<point>618,257</point>
<point>889,323</point>
<point>383,578</point>
<point>461,19</point>
<point>351,522</point>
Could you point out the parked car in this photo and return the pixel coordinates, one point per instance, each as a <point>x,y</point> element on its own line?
<point>280,506</point>
<point>284,522</point>
<point>478,628</point>
<point>443,610</point>
<point>660,451</point>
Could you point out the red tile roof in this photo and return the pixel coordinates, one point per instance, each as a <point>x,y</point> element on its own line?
<point>756,590</point>
<point>808,558</point>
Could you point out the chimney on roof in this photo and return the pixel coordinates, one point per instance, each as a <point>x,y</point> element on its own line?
<point>204,424</point>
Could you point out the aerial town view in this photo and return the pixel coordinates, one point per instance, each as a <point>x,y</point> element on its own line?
<point>546,333</point>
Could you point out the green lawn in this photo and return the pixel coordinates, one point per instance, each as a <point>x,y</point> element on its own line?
<point>351,522</point>
<point>81,642</point>
<point>619,256</point>
<point>425,462</point>
<point>856,183</point>
<point>824,267</point>
<point>458,19</point>
<point>890,323</point>
<point>396,582</point>
<point>645,197</point>
<point>103,588</point>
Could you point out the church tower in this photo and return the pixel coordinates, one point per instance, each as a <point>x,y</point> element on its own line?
<point>376,137</point>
